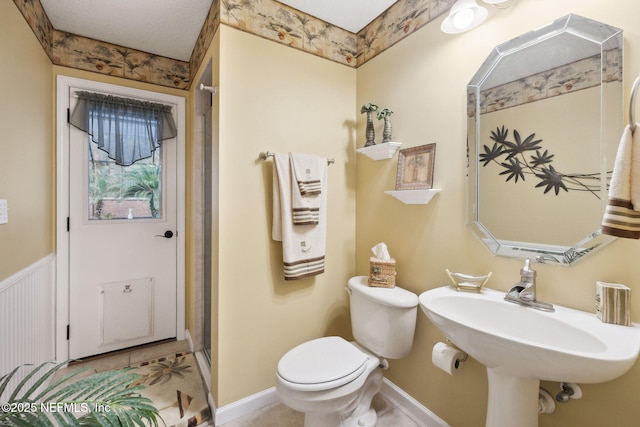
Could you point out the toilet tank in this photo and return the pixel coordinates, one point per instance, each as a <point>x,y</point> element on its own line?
<point>383,320</point>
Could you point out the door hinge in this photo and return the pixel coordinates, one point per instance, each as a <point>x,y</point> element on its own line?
<point>68,224</point>
<point>68,331</point>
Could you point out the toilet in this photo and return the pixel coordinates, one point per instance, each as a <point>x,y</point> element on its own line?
<point>333,381</point>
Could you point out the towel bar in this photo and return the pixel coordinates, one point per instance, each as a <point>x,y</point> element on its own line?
<point>632,104</point>
<point>265,155</point>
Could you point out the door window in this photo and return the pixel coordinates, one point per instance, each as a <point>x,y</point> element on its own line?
<point>123,192</point>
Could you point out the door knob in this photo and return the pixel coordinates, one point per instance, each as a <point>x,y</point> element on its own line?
<point>167,234</point>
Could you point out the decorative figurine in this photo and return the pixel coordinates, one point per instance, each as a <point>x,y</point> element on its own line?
<point>370,133</point>
<point>385,114</point>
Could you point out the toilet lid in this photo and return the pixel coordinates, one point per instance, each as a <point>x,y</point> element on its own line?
<point>322,363</point>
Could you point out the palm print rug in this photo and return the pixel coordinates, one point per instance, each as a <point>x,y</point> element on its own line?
<point>175,386</point>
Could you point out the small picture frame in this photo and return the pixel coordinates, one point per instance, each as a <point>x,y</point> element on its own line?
<point>415,167</point>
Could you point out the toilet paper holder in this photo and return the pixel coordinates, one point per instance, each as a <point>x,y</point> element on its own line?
<point>448,357</point>
<point>462,359</point>
<point>452,344</point>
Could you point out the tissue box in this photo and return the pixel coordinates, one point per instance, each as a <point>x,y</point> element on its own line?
<point>382,274</point>
<point>613,303</point>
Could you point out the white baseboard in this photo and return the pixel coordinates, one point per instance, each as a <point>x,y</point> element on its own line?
<point>187,337</point>
<point>245,406</point>
<point>411,406</point>
<point>389,391</point>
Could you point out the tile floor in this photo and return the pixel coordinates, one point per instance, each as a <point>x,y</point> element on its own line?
<point>126,358</point>
<point>276,415</point>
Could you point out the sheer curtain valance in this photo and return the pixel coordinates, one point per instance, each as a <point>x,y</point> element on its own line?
<point>128,130</point>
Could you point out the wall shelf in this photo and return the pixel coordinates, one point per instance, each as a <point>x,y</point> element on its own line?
<point>380,151</point>
<point>414,197</point>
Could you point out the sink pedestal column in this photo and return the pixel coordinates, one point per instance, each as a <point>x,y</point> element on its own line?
<point>513,401</point>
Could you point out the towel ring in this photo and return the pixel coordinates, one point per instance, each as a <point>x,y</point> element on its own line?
<point>632,104</point>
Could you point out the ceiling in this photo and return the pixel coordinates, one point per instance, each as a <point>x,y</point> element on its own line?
<point>168,28</point>
<point>351,15</point>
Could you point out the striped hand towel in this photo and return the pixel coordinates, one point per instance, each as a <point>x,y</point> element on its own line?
<point>307,173</point>
<point>621,217</point>
<point>305,200</point>
<point>303,246</point>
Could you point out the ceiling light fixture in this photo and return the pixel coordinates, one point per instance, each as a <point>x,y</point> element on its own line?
<point>463,16</point>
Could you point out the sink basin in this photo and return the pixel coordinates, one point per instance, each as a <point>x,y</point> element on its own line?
<point>565,345</point>
<point>521,346</point>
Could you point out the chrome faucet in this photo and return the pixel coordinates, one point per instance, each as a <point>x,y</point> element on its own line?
<point>524,292</point>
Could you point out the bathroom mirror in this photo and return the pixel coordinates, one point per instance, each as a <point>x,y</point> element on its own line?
<point>545,115</point>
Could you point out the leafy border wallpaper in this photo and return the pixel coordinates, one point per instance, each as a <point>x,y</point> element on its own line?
<point>265,18</point>
<point>83,53</point>
<point>276,21</point>
<point>568,78</point>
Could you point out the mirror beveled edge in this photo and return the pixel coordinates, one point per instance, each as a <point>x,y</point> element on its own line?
<point>542,253</point>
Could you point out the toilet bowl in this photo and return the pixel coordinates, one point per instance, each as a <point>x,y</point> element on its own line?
<point>333,381</point>
<point>327,379</point>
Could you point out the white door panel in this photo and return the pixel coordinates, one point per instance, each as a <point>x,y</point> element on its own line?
<point>122,268</point>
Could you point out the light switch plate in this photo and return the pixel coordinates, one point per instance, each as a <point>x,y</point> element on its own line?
<point>4,211</point>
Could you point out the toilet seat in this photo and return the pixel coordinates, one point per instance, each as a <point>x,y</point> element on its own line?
<point>321,364</point>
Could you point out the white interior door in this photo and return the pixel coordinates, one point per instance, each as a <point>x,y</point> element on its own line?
<point>122,248</point>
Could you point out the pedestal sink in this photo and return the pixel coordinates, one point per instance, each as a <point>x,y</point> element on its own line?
<point>521,346</point>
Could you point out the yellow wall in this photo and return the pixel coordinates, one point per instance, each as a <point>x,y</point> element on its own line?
<point>27,177</point>
<point>278,99</point>
<point>423,79</point>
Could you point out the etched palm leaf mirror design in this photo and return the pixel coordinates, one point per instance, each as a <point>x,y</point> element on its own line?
<point>545,114</point>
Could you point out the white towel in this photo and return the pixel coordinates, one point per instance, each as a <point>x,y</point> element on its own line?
<point>635,168</point>
<point>306,206</point>
<point>303,246</point>
<point>307,173</point>
<point>622,215</point>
